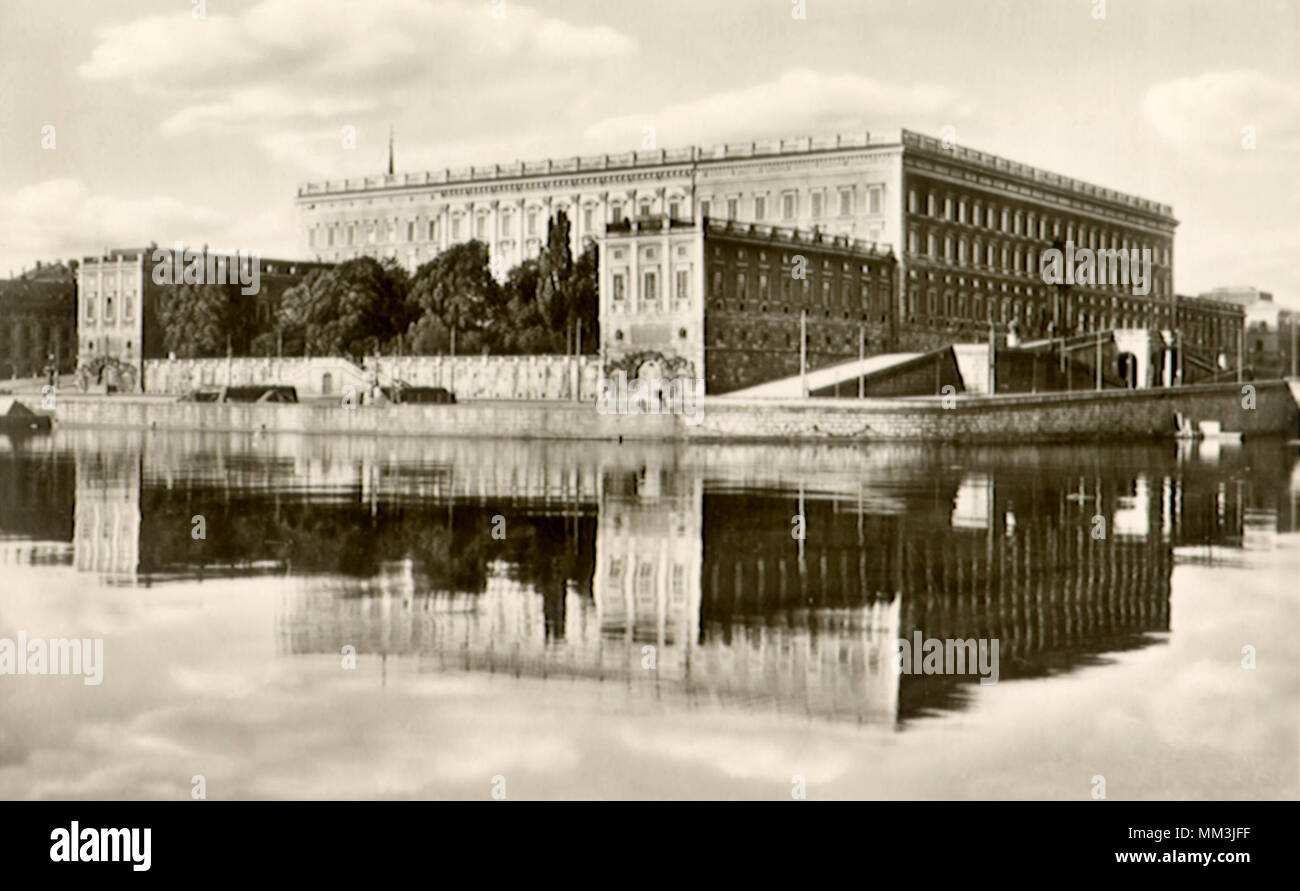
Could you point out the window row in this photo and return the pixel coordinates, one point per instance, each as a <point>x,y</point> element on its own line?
<point>791,204</point>
<point>1030,224</point>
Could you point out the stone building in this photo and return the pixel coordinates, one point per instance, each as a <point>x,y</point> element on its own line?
<point>728,302</point>
<point>38,312</point>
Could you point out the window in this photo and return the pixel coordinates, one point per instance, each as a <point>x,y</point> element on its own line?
<point>947,247</point>
<point>128,309</point>
<point>433,230</point>
<point>948,208</point>
<point>645,207</point>
<point>733,206</point>
<point>371,233</point>
<point>90,309</point>
<point>846,202</point>
<point>817,203</point>
<point>706,207</point>
<point>874,199</point>
<point>764,292</point>
<point>616,211</point>
<point>760,207</point>
<point>912,241</point>
<point>410,230</point>
<point>620,287</point>
<point>787,206</point>
<point>532,221</point>
<point>717,284</point>
<point>911,201</point>
<point>929,204</point>
<point>650,287</point>
<point>481,226</point>
<point>586,218</point>
<point>455,229</point>
<point>108,309</point>
<point>683,284</point>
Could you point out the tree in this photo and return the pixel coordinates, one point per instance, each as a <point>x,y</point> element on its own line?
<point>457,288</point>
<point>354,309</point>
<point>196,319</point>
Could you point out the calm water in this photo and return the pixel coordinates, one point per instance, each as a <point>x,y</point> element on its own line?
<point>503,600</point>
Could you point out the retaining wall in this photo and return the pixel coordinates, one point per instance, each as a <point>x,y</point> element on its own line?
<point>1108,415</point>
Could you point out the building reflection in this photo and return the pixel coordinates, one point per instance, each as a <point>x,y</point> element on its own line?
<point>671,572</point>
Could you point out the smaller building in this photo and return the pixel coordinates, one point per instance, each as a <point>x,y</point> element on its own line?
<point>118,294</point>
<point>38,313</point>
<point>732,303</point>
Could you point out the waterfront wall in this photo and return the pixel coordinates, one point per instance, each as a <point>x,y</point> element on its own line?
<point>469,377</point>
<point>1091,416</point>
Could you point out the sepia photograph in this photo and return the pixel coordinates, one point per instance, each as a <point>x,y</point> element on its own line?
<point>576,401</point>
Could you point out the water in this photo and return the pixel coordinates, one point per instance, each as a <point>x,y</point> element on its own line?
<point>615,621</point>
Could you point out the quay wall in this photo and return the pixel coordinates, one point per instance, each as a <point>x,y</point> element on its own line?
<point>1043,417</point>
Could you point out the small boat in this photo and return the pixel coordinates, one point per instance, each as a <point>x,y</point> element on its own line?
<point>18,418</point>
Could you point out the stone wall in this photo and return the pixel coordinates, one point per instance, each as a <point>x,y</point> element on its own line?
<point>469,377</point>
<point>1109,415</point>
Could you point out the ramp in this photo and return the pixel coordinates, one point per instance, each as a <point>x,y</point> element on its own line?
<point>829,376</point>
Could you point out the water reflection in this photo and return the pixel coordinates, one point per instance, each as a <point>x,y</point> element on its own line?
<point>669,571</point>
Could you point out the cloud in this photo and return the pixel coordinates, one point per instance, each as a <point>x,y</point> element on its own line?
<point>800,101</point>
<point>290,73</point>
<point>1204,117</point>
<point>63,218</point>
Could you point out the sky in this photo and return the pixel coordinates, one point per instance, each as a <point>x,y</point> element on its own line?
<point>133,121</point>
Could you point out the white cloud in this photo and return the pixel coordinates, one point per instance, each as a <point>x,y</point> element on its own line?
<point>800,101</point>
<point>63,218</point>
<point>290,73</point>
<point>1203,117</point>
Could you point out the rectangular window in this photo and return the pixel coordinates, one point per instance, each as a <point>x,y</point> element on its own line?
<point>875,200</point>
<point>90,307</point>
<point>732,208</point>
<point>816,204</point>
<point>706,208</point>
<point>128,309</point>
<point>433,230</point>
<point>683,284</point>
<point>650,287</point>
<point>532,221</point>
<point>410,230</point>
<point>911,201</point>
<point>616,212</point>
<point>481,229</point>
<point>764,292</point>
<point>586,218</point>
<point>787,207</point>
<point>742,286</point>
<point>912,241</point>
<point>620,287</point>
<point>455,230</point>
<point>846,202</point>
<point>108,309</point>
<point>675,210</point>
<point>329,237</point>
<point>717,284</point>
<point>760,207</point>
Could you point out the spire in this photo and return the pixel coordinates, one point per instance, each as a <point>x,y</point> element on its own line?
<point>390,149</point>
